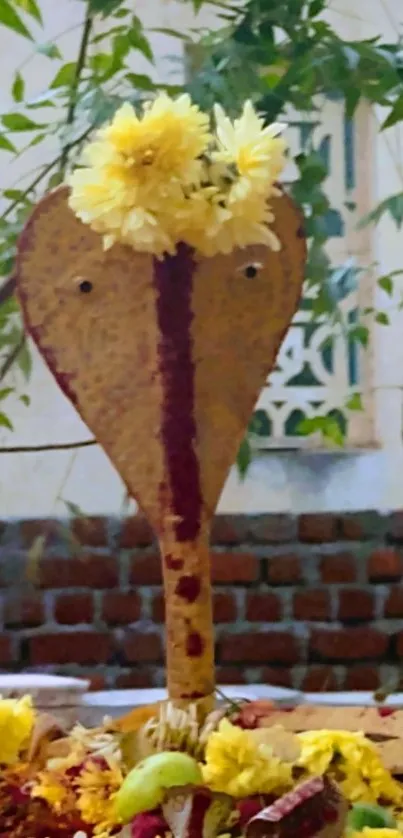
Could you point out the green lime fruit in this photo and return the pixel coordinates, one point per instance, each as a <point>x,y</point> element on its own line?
<point>368,814</point>
<point>144,787</point>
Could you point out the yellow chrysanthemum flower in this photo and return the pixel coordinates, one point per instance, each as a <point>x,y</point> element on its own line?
<point>156,180</point>
<point>17,718</point>
<point>254,149</point>
<point>237,765</point>
<point>133,168</point>
<point>360,771</point>
<point>96,788</point>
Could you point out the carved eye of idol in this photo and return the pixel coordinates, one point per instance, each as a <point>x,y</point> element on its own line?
<point>85,286</point>
<point>251,270</point>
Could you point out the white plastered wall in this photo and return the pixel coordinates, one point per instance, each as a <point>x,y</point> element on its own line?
<point>32,485</point>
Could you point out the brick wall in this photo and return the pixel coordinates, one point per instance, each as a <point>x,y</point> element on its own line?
<point>313,602</point>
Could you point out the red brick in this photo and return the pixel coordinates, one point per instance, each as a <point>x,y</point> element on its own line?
<point>356,643</point>
<point>96,679</point>
<point>142,648</point>
<point>340,567</point>
<point>312,605</point>
<point>145,570</point>
<point>224,608</point>
<point>136,532</point>
<point>276,677</point>
<point>90,571</point>
<point>385,565</point>
<point>120,608</point>
<point>399,644</point>
<point>284,570</point>
<point>362,678</point>
<point>74,608</point>
<point>230,675</point>
<point>355,605</point>
<point>228,529</point>
<point>234,567</point>
<point>6,652</point>
<point>263,608</point>
<point>271,529</point>
<point>259,647</point>
<point>158,608</point>
<point>317,529</point>
<point>91,532</point>
<point>23,611</point>
<point>33,528</point>
<point>78,647</point>
<point>319,679</point>
<point>136,679</point>
<point>395,527</point>
<point>394,603</point>
<point>351,528</point>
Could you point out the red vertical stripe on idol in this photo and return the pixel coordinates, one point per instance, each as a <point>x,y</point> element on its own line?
<point>173,281</point>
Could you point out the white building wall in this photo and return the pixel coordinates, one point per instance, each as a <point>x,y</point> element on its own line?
<point>35,484</point>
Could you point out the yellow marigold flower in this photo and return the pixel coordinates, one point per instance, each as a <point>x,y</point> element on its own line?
<point>369,832</point>
<point>96,787</point>
<point>237,765</point>
<point>55,790</point>
<point>360,771</point>
<point>17,718</point>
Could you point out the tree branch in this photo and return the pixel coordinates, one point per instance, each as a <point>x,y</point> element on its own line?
<point>80,65</point>
<point>58,446</point>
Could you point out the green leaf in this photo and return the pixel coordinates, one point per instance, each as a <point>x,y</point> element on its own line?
<point>396,114</point>
<point>49,49</point>
<point>382,318</point>
<point>31,8</point>
<point>65,76</point>
<point>73,509</point>
<point>5,422</point>
<point>386,283</point>
<point>24,361</point>
<point>6,145</point>
<point>138,40</point>
<point>18,88</point>
<point>244,457</point>
<point>19,122</point>
<point>354,402</point>
<point>359,334</point>
<point>9,18</point>
<point>104,7</point>
<point>25,400</point>
<point>140,81</point>
<point>6,392</point>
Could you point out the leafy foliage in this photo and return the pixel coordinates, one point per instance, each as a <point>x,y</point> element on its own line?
<point>282,55</point>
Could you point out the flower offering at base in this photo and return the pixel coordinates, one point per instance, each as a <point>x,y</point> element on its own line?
<point>174,776</point>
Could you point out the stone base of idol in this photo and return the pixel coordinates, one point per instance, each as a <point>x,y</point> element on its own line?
<point>117,703</point>
<point>61,697</point>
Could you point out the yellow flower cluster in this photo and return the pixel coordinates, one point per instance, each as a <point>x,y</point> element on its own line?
<point>17,718</point>
<point>238,765</point>
<point>356,761</point>
<point>155,180</point>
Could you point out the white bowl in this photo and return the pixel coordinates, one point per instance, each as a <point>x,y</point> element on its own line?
<point>351,699</point>
<point>46,690</point>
